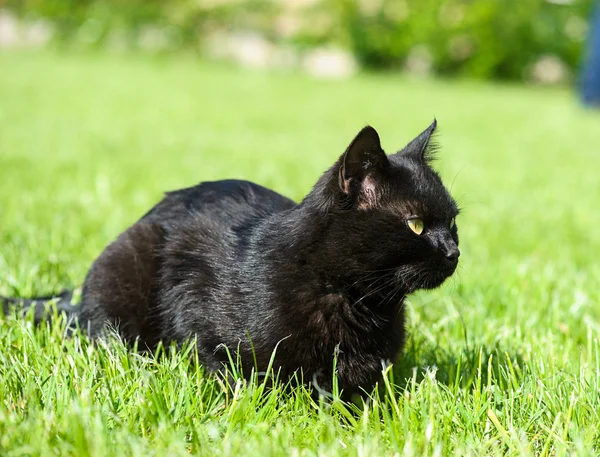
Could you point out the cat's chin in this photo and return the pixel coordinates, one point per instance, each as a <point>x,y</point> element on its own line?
<point>434,283</point>
<point>428,280</point>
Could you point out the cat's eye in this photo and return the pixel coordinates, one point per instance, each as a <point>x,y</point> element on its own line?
<point>452,223</point>
<point>416,225</point>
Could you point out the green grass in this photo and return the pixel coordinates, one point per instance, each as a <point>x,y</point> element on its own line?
<point>502,360</point>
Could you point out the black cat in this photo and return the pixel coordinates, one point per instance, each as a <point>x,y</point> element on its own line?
<point>238,266</point>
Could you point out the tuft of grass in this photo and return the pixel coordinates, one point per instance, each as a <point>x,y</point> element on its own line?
<point>502,360</point>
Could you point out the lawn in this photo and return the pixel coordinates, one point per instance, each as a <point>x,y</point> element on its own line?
<point>504,359</point>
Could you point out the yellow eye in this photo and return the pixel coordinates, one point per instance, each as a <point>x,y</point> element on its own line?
<point>452,223</point>
<point>416,225</point>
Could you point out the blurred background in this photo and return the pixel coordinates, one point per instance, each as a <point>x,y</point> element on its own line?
<point>538,41</point>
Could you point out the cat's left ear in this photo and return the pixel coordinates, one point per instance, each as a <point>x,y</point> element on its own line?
<point>361,159</point>
<point>420,147</point>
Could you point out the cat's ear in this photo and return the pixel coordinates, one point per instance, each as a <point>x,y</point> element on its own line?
<point>361,159</point>
<point>421,147</point>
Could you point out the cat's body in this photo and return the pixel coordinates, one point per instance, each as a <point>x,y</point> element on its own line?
<point>239,267</point>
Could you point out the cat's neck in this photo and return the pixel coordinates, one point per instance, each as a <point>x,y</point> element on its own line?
<point>296,244</point>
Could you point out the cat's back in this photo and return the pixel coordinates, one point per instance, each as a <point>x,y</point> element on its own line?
<point>181,243</point>
<point>227,203</point>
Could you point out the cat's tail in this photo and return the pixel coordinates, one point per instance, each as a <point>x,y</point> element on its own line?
<point>40,305</point>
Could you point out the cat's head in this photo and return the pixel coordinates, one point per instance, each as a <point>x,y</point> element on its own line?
<point>389,213</point>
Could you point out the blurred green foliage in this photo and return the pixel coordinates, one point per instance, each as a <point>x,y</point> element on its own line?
<point>173,23</point>
<point>482,38</point>
<point>479,38</point>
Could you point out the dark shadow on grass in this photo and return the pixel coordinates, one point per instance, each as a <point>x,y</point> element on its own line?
<point>467,368</point>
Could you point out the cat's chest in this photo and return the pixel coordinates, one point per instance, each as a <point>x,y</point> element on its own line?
<point>338,320</point>
<point>361,338</point>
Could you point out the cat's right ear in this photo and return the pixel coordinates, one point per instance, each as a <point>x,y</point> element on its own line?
<point>361,159</point>
<point>420,148</point>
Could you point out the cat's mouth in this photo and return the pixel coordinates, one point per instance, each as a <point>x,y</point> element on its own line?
<point>425,275</point>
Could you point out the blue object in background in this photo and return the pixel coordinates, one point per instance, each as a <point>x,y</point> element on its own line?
<point>590,81</point>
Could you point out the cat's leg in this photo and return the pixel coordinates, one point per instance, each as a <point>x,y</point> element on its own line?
<point>119,290</point>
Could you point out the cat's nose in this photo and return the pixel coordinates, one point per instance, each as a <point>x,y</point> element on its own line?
<point>452,255</point>
<point>448,249</point>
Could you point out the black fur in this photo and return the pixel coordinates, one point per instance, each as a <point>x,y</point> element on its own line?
<point>238,266</point>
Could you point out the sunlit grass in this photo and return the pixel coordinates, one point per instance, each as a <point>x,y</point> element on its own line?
<point>502,360</point>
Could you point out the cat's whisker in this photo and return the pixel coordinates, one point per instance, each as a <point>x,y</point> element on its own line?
<point>382,287</point>
<point>390,296</point>
<point>366,278</point>
<point>374,273</point>
<point>378,278</point>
